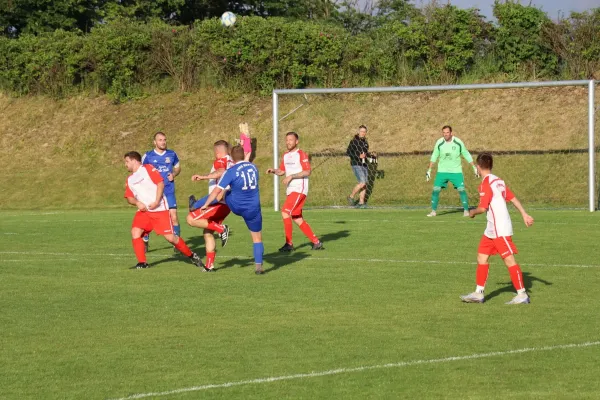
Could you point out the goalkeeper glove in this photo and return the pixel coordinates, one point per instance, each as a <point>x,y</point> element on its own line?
<point>475,171</point>
<point>428,175</point>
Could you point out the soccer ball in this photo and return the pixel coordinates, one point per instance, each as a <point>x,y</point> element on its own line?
<point>228,19</point>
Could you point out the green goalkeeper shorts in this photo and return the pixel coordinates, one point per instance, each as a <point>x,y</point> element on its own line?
<point>442,179</point>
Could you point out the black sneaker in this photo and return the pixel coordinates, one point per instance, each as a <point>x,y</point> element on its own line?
<point>224,236</point>
<point>351,201</point>
<point>318,246</point>
<point>191,201</point>
<point>140,265</point>
<point>286,248</point>
<point>197,261</point>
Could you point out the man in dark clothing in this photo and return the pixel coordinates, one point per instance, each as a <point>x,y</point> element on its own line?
<point>358,151</point>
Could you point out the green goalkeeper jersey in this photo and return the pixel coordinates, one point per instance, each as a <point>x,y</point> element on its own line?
<point>448,154</point>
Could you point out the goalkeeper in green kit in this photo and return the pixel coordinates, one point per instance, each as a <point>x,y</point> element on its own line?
<point>447,153</point>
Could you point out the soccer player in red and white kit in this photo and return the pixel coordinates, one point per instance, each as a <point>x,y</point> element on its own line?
<point>144,189</point>
<point>497,238</point>
<point>296,168</point>
<point>211,219</point>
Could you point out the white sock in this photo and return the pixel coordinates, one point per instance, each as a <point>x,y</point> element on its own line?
<point>479,289</point>
<point>521,291</point>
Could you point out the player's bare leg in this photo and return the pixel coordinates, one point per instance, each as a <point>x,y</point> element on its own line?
<point>306,229</point>
<point>202,223</point>
<point>258,250</point>
<point>139,248</point>
<point>184,249</point>
<point>481,276</point>
<point>516,276</point>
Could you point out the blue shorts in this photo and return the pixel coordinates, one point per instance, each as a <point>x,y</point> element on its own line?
<point>171,202</point>
<point>361,173</point>
<point>252,218</point>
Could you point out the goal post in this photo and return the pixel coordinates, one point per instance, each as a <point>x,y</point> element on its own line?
<point>590,84</point>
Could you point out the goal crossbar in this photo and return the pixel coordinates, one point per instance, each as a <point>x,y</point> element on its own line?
<point>591,84</point>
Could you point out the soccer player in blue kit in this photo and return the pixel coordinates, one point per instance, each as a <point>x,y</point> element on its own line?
<point>166,162</point>
<point>243,199</point>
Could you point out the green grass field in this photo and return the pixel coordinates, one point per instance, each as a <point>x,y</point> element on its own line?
<point>76,323</point>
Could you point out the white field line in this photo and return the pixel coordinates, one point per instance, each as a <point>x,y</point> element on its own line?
<point>311,258</point>
<point>339,371</point>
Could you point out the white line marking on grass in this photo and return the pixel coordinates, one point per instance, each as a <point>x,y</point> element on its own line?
<point>338,371</point>
<point>310,258</point>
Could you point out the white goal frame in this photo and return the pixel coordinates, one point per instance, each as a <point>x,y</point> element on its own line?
<point>591,84</point>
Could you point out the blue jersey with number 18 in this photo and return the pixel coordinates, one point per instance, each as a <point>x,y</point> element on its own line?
<point>244,196</point>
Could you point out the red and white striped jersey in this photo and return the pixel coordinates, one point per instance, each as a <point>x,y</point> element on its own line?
<point>142,185</point>
<point>293,162</point>
<point>494,194</point>
<point>223,162</point>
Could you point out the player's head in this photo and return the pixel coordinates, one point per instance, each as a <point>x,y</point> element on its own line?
<point>133,160</point>
<point>447,132</point>
<point>291,140</point>
<point>160,141</point>
<point>221,148</point>
<point>237,153</point>
<point>485,162</point>
<point>362,131</point>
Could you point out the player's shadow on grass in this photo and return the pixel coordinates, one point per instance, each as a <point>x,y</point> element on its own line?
<point>271,261</point>
<point>328,238</point>
<point>450,211</point>
<point>528,281</point>
<point>275,260</point>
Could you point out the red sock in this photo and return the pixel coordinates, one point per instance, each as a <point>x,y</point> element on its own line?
<point>305,228</point>
<point>139,249</point>
<point>210,259</point>
<point>213,226</point>
<point>516,276</point>
<point>482,274</point>
<point>288,227</point>
<point>182,247</point>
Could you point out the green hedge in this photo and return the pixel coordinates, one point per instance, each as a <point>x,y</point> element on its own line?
<point>126,59</point>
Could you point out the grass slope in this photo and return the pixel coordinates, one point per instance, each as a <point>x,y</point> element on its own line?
<point>54,149</point>
<point>76,323</point>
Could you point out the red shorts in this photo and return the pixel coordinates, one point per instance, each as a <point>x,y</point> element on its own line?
<point>502,245</point>
<point>294,203</point>
<point>216,213</point>
<point>159,222</point>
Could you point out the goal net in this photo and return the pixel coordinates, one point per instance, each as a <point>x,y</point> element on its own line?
<point>539,137</point>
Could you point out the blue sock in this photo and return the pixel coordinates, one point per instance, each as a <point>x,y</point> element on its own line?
<point>259,249</point>
<point>177,230</point>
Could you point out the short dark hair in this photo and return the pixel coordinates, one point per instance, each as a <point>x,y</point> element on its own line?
<point>237,153</point>
<point>159,133</point>
<point>447,127</point>
<point>221,143</point>
<point>363,126</point>
<point>485,161</point>
<point>293,134</point>
<point>133,155</point>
